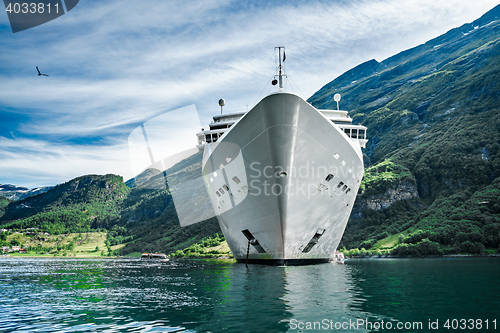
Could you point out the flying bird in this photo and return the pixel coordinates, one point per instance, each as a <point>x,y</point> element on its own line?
<point>39,72</point>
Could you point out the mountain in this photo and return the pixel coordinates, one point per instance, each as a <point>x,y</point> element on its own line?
<point>74,206</point>
<point>13,192</point>
<point>433,118</point>
<point>149,212</point>
<point>144,216</point>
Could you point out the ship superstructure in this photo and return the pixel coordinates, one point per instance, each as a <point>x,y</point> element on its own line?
<point>282,178</point>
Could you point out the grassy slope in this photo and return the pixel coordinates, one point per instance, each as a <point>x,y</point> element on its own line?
<point>432,112</point>
<point>85,244</point>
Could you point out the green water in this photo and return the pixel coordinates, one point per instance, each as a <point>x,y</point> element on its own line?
<point>71,295</point>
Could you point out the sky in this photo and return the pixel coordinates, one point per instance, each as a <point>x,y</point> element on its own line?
<point>114,65</point>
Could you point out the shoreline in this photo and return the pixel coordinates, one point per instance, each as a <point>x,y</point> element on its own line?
<point>232,259</point>
<point>431,256</point>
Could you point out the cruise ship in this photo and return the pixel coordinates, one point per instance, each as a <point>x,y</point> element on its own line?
<point>282,177</point>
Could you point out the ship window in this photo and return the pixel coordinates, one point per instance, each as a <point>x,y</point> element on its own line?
<point>221,191</point>
<point>220,134</point>
<point>344,188</point>
<point>348,190</point>
<point>329,177</point>
<point>218,194</point>
<point>236,180</point>
<point>361,134</point>
<point>208,138</point>
<point>354,133</point>
<point>225,187</point>
<point>340,184</point>
<point>348,131</point>
<point>214,137</point>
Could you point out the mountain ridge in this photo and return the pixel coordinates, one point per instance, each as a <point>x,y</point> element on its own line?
<point>432,113</point>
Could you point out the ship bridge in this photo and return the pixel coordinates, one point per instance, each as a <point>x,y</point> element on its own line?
<point>217,127</point>
<point>221,123</point>
<point>344,122</point>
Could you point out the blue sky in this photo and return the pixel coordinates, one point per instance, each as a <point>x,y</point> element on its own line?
<point>113,65</point>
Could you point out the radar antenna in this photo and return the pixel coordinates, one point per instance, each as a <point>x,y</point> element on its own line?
<point>336,98</point>
<point>222,102</point>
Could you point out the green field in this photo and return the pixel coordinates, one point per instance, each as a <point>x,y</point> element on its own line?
<point>80,245</point>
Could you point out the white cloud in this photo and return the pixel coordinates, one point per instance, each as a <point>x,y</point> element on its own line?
<point>42,163</point>
<point>116,64</point>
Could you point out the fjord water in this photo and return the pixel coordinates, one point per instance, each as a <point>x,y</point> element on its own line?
<point>126,295</point>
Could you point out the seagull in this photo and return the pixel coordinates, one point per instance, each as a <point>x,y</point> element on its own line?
<point>39,72</point>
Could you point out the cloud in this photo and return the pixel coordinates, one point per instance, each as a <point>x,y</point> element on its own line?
<point>39,163</point>
<point>116,64</point>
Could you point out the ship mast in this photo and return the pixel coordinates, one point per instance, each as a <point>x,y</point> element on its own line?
<point>280,68</point>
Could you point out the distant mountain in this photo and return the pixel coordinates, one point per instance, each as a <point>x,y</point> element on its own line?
<point>142,177</point>
<point>150,214</point>
<point>13,192</point>
<point>433,118</point>
<point>74,206</point>
<point>145,216</point>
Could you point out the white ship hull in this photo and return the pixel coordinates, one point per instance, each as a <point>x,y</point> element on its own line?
<point>269,179</point>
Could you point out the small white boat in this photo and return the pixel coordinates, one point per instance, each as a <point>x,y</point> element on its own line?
<point>154,256</point>
<point>339,257</point>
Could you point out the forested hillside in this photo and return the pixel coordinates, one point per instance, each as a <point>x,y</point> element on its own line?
<point>143,217</point>
<point>433,118</point>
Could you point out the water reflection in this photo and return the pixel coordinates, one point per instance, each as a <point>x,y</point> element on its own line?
<point>192,296</point>
<point>56,295</point>
<point>419,290</point>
